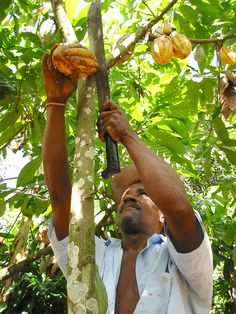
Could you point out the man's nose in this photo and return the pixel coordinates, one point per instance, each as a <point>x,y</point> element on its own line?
<point>129,197</point>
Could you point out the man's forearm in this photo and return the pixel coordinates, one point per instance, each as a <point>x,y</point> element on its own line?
<point>55,151</point>
<point>156,175</point>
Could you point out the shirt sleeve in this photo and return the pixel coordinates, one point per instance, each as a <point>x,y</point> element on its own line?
<point>197,266</point>
<point>59,248</point>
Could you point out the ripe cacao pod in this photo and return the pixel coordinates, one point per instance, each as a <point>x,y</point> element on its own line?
<point>181,45</point>
<point>166,28</point>
<point>74,60</point>
<point>162,50</point>
<point>199,53</point>
<point>227,55</point>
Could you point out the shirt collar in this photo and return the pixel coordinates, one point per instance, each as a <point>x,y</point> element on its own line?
<point>154,239</point>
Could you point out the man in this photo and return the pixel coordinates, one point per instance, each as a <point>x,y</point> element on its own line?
<point>144,272</point>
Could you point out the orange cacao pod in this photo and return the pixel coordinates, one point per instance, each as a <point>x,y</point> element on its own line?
<point>227,55</point>
<point>161,50</point>
<point>166,28</point>
<point>74,60</point>
<point>181,45</point>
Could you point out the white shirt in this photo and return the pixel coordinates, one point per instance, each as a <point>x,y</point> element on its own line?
<point>168,282</point>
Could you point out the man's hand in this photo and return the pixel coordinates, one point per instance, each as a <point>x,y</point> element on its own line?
<point>58,87</point>
<point>113,120</point>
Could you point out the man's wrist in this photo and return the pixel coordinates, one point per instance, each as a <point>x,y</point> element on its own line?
<point>59,100</point>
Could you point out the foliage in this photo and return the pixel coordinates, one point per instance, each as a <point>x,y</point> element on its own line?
<point>32,294</point>
<point>174,108</point>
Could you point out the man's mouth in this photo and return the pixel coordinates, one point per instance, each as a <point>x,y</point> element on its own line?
<point>129,205</point>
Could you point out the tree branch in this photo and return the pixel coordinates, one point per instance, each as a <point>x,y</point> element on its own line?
<point>217,40</point>
<point>63,23</point>
<point>23,265</point>
<point>135,37</point>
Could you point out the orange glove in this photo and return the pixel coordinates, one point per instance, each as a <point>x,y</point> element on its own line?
<point>58,87</point>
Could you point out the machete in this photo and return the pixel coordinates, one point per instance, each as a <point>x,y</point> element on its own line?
<point>97,47</point>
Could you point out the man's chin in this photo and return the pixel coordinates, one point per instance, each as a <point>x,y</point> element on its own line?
<point>130,226</point>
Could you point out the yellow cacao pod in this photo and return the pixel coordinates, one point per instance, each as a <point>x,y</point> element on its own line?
<point>161,50</point>
<point>181,45</point>
<point>74,60</point>
<point>166,28</point>
<point>227,55</point>
<point>199,53</point>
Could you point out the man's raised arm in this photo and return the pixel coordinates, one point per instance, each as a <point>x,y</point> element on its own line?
<point>160,181</point>
<point>58,89</point>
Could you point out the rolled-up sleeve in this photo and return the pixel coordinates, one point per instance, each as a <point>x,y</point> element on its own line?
<point>196,267</point>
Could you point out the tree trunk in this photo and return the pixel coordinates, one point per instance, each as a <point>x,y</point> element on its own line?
<point>81,256</point>
<point>81,262</point>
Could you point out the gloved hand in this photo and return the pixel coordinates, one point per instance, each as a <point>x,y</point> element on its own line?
<point>58,87</point>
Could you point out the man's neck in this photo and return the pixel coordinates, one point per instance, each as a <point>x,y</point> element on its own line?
<point>134,242</point>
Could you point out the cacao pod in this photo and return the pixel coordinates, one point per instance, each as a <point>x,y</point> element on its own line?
<point>199,53</point>
<point>74,60</point>
<point>181,45</point>
<point>227,55</point>
<point>161,50</point>
<point>166,28</point>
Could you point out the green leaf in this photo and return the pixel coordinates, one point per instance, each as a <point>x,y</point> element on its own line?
<point>221,129</point>
<point>179,111</point>
<point>189,13</point>
<point>170,141</point>
<point>10,132</point>
<point>8,119</point>
<point>193,96</point>
<point>2,207</point>
<point>230,154</point>
<point>207,165</point>
<point>73,8</point>
<point>37,127</point>
<point>137,113</point>
<point>34,38</point>
<point>5,4</point>
<point>3,306</point>
<point>208,87</point>
<point>28,171</point>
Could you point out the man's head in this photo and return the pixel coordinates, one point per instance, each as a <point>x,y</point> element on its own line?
<point>137,212</point>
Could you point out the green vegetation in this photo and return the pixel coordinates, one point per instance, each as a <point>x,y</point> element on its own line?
<point>175,108</point>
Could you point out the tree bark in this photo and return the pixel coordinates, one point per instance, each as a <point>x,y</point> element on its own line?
<point>81,255</point>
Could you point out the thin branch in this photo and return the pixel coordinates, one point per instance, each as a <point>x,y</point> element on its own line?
<point>23,265</point>
<point>145,3</point>
<point>204,41</point>
<point>137,11</point>
<point>6,179</point>
<point>217,40</point>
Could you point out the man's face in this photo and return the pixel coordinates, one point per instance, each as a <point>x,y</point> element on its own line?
<point>137,212</point>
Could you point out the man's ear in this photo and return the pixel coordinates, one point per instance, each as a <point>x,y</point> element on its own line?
<point>162,219</point>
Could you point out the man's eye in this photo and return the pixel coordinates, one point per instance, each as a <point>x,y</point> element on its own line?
<point>142,192</point>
